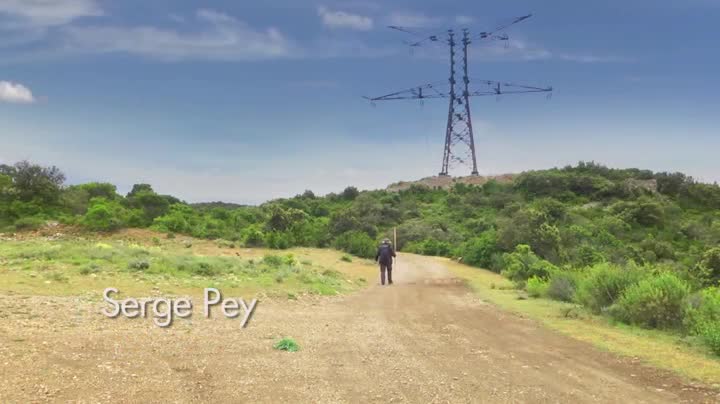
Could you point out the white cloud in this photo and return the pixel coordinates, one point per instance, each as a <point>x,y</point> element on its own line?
<point>45,13</point>
<point>342,19</point>
<point>15,93</point>
<point>223,38</point>
<point>464,19</point>
<point>590,58</point>
<point>413,20</point>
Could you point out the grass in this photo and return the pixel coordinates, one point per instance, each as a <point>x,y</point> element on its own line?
<point>287,344</point>
<point>658,348</point>
<point>140,262</point>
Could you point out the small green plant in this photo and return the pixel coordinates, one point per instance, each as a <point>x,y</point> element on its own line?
<point>710,334</point>
<point>225,244</point>
<point>290,260</point>
<point>156,241</point>
<point>332,273</point>
<point>273,260</point>
<point>346,258</point>
<point>171,235</point>
<point>536,287</point>
<point>139,265</point>
<point>56,276</point>
<point>91,268</point>
<point>287,344</point>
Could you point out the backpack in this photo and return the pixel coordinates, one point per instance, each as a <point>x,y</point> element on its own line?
<point>386,253</point>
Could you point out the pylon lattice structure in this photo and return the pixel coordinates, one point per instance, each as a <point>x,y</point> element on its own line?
<point>459,148</point>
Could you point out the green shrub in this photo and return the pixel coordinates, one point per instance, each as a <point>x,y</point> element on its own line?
<point>561,286</point>
<point>708,269</point>
<point>29,223</point>
<point>201,268</point>
<point>346,258</point>
<point>103,215</point>
<point>603,284</point>
<point>253,237</point>
<point>710,334</point>
<point>278,240</point>
<point>702,308</point>
<point>478,251</point>
<point>536,287</point>
<point>523,264</point>
<point>289,260</point>
<point>654,302</point>
<point>90,268</point>
<point>139,265</point>
<point>356,243</point>
<point>273,260</point>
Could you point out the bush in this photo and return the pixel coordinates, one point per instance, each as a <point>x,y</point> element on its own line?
<point>103,215</point>
<point>536,287</point>
<point>478,251</point>
<point>356,243</point>
<point>139,265</point>
<point>561,286</point>
<point>708,268</point>
<point>702,308</point>
<point>29,223</point>
<point>346,258</point>
<point>654,302</point>
<point>253,237</point>
<point>603,284</point>
<point>278,241</point>
<point>710,334</point>
<point>273,260</point>
<point>523,264</point>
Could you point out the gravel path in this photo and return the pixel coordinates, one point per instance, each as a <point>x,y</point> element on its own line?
<point>424,339</point>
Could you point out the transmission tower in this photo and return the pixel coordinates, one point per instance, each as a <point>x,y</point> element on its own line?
<point>459,145</point>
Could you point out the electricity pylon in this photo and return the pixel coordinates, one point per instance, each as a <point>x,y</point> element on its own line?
<point>459,130</point>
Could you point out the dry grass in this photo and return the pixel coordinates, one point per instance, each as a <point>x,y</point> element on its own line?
<point>54,273</point>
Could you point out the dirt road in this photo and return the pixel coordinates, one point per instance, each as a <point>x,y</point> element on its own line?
<point>424,339</point>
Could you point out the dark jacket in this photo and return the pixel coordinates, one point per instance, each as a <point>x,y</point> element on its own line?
<point>384,254</point>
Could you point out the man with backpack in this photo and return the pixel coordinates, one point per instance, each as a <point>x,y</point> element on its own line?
<point>384,257</point>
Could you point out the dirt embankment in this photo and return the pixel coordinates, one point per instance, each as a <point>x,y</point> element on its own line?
<point>446,182</point>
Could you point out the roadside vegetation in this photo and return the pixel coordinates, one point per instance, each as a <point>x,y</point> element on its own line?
<point>73,266</point>
<point>634,246</point>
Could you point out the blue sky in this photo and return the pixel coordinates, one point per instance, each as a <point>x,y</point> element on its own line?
<point>246,101</point>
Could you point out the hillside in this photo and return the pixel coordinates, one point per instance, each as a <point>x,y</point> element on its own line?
<point>617,241</point>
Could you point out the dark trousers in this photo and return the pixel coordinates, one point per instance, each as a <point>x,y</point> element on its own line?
<point>385,268</point>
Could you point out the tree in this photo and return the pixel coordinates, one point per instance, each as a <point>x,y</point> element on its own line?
<point>139,188</point>
<point>153,205</point>
<point>35,182</point>
<point>350,193</point>
<point>709,267</point>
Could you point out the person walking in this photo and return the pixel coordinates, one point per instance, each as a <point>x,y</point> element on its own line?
<point>384,257</point>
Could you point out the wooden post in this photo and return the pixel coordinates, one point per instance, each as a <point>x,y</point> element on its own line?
<point>395,247</point>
